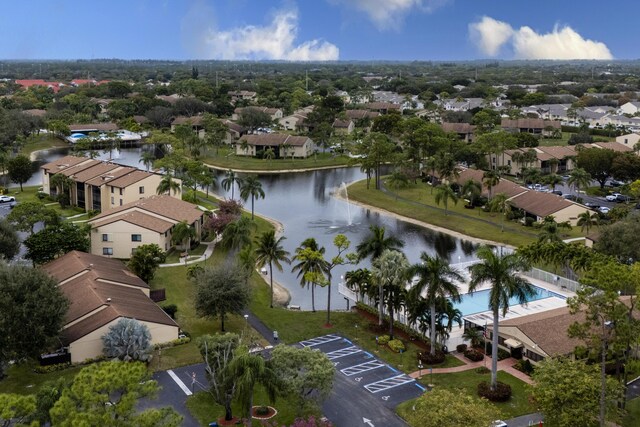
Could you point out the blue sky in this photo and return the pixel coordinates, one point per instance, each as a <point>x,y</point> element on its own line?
<point>319,29</point>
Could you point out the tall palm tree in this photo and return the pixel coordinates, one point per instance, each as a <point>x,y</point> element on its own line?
<point>270,251</point>
<point>500,203</point>
<point>436,278</point>
<point>447,316</point>
<point>579,178</point>
<point>500,271</point>
<point>237,234</point>
<point>250,369</point>
<point>552,179</point>
<point>473,335</point>
<point>391,272</point>
<point>268,154</point>
<point>251,187</point>
<point>550,229</point>
<point>359,281</point>
<point>373,246</point>
<point>168,184</point>
<point>311,266</point>
<point>229,181</point>
<point>490,179</point>
<point>183,233</point>
<point>147,158</point>
<point>60,181</point>
<point>376,242</point>
<point>586,220</point>
<point>471,190</point>
<point>444,193</point>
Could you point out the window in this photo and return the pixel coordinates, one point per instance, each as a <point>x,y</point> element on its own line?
<point>107,251</point>
<point>111,190</point>
<point>136,237</point>
<point>105,237</point>
<point>120,202</point>
<point>141,189</point>
<point>112,200</point>
<point>121,191</point>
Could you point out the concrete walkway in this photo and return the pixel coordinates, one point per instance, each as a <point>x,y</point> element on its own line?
<point>191,259</point>
<point>505,365</point>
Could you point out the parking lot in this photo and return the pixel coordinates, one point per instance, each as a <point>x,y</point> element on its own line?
<point>366,390</point>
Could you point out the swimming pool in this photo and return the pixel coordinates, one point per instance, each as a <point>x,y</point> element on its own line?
<point>479,301</point>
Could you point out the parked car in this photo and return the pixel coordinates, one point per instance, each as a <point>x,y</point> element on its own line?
<point>604,209</point>
<point>571,197</point>
<point>7,199</point>
<point>592,205</point>
<point>612,197</point>
<point>557,192</point>
<point>622,198</point>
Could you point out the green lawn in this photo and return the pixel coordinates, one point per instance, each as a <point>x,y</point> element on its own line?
<point>174,255</point>
<point>633,413</point>
<point>228,160</point>
<point>42,142</point>
<point>29,195</point>
<point>469,380</point>
<point>550,142</point>
<point>22,379</point>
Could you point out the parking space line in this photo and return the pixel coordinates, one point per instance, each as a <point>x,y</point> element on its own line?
<point>178,381</point>
<point>343,352</point>
<point>388,383</point>
<point>319,340</point>
<point>362,367</point>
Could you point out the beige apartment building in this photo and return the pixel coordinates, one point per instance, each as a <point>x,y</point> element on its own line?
<point>99,185</point>
<point>284,145</point>
<point>102,291</point>
<point>119,231</point>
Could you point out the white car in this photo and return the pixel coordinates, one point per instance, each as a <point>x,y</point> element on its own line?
<point>499,423</point>
<point>612,197</point>
<point>7,199</point>
<point>604,209</point>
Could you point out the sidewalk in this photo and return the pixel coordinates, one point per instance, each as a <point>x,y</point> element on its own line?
<point>207,254</point>
<point>505,365</point>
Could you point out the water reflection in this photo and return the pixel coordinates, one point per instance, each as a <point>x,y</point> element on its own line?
<point>304,204</point>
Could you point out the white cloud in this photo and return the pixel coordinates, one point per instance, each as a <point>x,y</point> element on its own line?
<point>276,40</point>
<point>491,35</point>
<point>389,14</point>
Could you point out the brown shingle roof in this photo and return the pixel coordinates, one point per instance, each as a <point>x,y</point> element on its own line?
<point>529,124</point>
<point>130,178</point>
<point>540,204</point>
<point>458,127</point>
<point>382,106</point>
<point>140,219</point>
<point>361,114</point>
<point>100,127</point>
<point>615,146</point>
<point>76,169</point>
<point>93,171</point>
<point>63,163</point>
<point>193,120</point>
<point>559,152</point>
<point>35,112</point>
<point>162,205</point>
<point>275,139</point>
<point>111,175</point>
<point>342,124</point>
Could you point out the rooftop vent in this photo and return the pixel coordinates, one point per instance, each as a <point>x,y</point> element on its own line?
<point>108,299</point>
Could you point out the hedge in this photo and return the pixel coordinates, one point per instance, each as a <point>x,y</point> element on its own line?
<point>428,359</point>
<point>473,355</point>
<point>396,345</point>
<point>502,393</point>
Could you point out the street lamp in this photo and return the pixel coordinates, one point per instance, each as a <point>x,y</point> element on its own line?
<point>420,369</point>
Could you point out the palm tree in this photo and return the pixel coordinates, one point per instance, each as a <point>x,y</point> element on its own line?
<point>445,319</point>
<point>444,193</point>
<point>251,187</point>
<point>391,272</point>
<point>471,190</point>
<point>270,251</point>
<point>436,278</point>
<point>183,233</point>
<point>311,267</point>
<point>167,185</point>
<point>373,246</point>
<point>431,164</point>
<point>530,175</point>
<point>500,271</point>
<point>359,281</point>
<point>586,220</point>
<point>579,178</point>
<point>147,158</point>
<point>376,242</point>
<point>250,369</point>
<point>244,146</point>
<point>553,180</point>
<point>490,179</point>
<point>500,203</point>
<point>60,181</point>
<point>473,335</point>
<point>229,181</point>
<point>610,128</point>
<point>397,180</point>
<point>237,234</point>
<point>268,154</point>
<point>550,229</point>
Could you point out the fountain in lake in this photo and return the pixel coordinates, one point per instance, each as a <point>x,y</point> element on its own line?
<point>345,223</point>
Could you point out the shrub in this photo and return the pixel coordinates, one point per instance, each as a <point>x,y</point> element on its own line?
<point>92,213</point>
<point>482,370</point>
<point>64,200</point>
<point>473,355</point>
<point>429,359</point>
<point>51,368</point>
<point>461,348</point>
<point>173,343</point>
<point>128,340</point>
<point>396,345</point>
<point>171,310</point>
<point>262,410</point>
<point>383,339</point>
<point>524,365</point>
<point>502,393</point>
<point>528,221</point>
<point>41,195</point>
<point>502,354</point>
